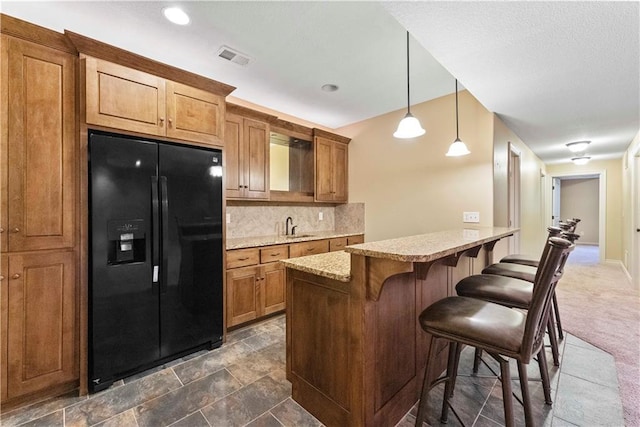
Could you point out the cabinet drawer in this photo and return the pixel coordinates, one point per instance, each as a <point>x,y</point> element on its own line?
<point>274,253</point>
<point>308,248</point>
<point>337,244</point>
<point>355,240</point>
<point>242,257</point>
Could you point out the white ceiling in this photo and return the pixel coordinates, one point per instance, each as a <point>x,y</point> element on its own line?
<point>555,72</point>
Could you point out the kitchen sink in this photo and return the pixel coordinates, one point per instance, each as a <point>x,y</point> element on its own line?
<point>295,236</point>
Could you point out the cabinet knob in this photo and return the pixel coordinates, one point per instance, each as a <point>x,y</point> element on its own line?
<point>170,122</point>
<point>15,230</point>
<point>1,278</point>
<point>161,120</point>
<point>16,276</point>
<point>1,229</point>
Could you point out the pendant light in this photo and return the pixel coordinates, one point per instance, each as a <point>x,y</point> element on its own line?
<point>409,127</point>
<point>458,148</point>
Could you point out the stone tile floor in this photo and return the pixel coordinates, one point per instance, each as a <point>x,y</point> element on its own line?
<point>243,384</point>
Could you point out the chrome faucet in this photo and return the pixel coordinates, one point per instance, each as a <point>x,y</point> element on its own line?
<point>286,225</point>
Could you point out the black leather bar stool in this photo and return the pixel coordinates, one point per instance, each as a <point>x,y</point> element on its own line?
<point>531,260</point>
<point>569,224</point>
<point>500,331</point>
<point>527,273</point>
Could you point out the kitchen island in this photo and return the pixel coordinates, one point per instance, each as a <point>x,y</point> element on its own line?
<point>355,351</point>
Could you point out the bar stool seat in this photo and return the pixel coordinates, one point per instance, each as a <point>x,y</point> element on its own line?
<point>517,271</point>
<point>501,290</point>
<point>523,259</point>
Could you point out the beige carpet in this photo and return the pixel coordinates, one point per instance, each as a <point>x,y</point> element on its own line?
<point>599,305</point>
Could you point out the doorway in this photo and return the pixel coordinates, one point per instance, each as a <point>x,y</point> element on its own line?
<point>513,169</point>
<point>582,195</point>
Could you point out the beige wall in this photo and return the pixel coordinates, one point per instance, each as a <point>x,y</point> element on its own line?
<point>631,209</point>
<point>410,186</point>
<point>579,198</point>
<point>532,190</point>
<point>613,199</point>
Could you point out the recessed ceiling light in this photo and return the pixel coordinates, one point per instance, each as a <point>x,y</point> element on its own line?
<point>578,146</point>
<point>176,15</point>
<point>330,88</point>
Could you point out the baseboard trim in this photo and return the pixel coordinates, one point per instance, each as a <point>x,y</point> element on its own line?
<point>621,264</point>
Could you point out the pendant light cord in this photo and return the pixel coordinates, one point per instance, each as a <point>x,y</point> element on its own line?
<point>408,91</point>
<point>457,137</point>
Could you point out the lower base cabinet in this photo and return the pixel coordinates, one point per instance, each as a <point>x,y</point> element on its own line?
<point>38,323</point>
<point>256,281</point>
<point>253,292</point>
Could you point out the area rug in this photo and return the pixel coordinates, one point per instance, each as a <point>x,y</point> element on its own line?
<point>599,305</point>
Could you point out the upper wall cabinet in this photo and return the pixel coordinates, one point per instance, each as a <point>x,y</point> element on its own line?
<point>124,98</point>
<point>246,154</point>
<point>331,167</point>
<point>37,146</point>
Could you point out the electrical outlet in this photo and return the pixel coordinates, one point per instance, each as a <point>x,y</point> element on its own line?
<point>228,218</point>
<point>470,216</point>
<point>320,216</point>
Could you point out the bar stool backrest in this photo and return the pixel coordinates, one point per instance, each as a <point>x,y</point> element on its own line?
<point>549,271</point>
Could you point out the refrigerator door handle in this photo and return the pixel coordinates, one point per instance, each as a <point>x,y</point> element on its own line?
<point>165,233</point>
<point>155,220</point>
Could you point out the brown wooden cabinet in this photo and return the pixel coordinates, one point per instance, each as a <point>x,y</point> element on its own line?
<point>331,169</point>
<point>246,158</point>
<point>255,283</point>
<point>123,98</point>
<point>355,240</point>
<point>312,247</point>
<point>38,144</point>
<point>41,331</point>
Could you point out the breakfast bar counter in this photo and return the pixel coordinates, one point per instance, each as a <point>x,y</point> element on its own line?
<point>355,351</point>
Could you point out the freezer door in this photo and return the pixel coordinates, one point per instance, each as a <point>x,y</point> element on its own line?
<point>191,285</point>
<point>123,304</point>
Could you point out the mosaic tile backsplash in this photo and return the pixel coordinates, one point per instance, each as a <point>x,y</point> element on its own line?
<point>250,221</point>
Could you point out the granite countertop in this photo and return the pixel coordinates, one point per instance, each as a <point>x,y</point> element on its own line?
<point>420,248</point>
<point>253,242</point>
<point>431,246</point>
<point>333,265</point>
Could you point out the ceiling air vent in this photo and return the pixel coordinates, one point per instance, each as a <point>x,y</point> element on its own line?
<point>234,56</point>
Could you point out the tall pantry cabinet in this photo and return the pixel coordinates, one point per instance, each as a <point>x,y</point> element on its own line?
<point>38,231</point>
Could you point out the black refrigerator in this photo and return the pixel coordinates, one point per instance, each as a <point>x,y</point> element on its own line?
<point>155,273</point>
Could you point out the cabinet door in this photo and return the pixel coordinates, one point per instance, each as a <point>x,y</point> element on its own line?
<point>256,159</point>
<point>40,135</point>
<point>324,170</point>
<point>4,315</point>
<point>41,337</point>
<point>234,172</point>
<point>242,301</point>
<point>272,288</point>
<point>340,172</point>
<point>4,121</point>
<point>123,98</point>
<point>194,114</point>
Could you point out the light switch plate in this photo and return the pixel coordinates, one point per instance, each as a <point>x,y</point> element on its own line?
<point>320,216</point>
<point>228,218</point>
<point>470,216</point>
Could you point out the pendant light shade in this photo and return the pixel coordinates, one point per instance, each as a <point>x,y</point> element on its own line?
<point>457,148</point>
<point>409,126</point>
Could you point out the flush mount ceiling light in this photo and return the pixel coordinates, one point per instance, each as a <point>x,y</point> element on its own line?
<point>578,146</point>
<point>176,15</point>
<point>581,160</point>
<point>409,127</point>
<point>329,88</point>
<point>457,148</point>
